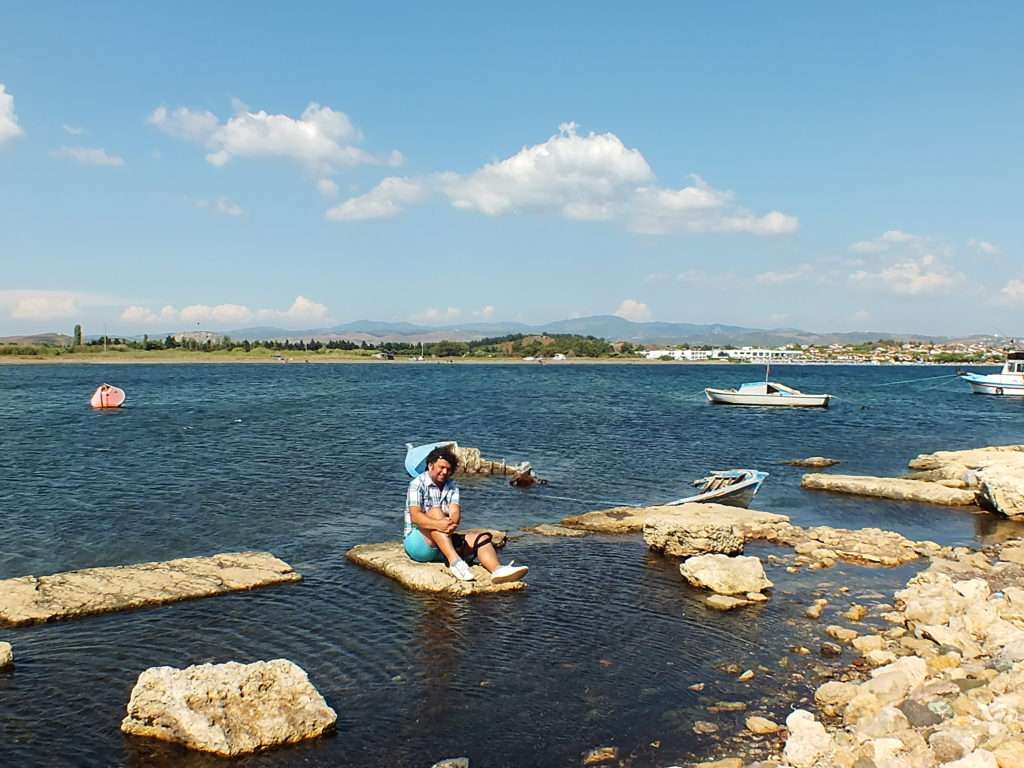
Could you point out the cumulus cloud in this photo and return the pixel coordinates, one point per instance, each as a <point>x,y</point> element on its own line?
<point>593,177</point>
<point>799,272</point>
<point>9,128</point>
<point>32,304</point>
<point>89,156</point>
<point>221,206</point>
<point>385,200</point>
<point>884,242</point>
<point>321,140</point>
<point>984,247</point>
<point>631,309</point>
<point>904,264</point>
<point>1013,292</point>
<point>327,188</point>
<point>910,278</point>
<point>302,310</point>
<point>484,313</point>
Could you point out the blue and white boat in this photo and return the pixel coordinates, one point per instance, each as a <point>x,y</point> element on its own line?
<point>733,487</point>
<point>767,393</point>
<point>1007,383</point>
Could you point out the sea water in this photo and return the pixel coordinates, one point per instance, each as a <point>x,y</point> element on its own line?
<point>305,461</point>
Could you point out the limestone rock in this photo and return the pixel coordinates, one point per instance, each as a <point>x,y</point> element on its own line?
<point>600,755</point>
<point>842,634</point>
<point>898,489</point>
<point>761,725</point>
<point>891,683</point>
<point>680,538</point>
<point>631,519</point>
<point>1002,490</point>
<point>34,599</point>
<point>725,602</point>
<point>813,461</point>
<point>867,643</point>
<point>228,709</point>
<point>6,655</point>
<point>808,745</point>
<point>725,575</point>
<point>1009,754</point>
<point>834,695</point>
<point>452,762</point>
<point>546,529</point>
<point>979,758</point>
<point>389,558</point>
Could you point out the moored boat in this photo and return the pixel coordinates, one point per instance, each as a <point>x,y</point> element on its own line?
<point>107,396</point>
<point>733,487</point>
<point>1007,383</point>
<point>767,393</point>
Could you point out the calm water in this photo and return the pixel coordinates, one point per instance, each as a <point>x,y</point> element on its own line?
<point>306,461</point>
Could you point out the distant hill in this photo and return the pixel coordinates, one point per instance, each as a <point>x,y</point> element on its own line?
<point>52,339</point>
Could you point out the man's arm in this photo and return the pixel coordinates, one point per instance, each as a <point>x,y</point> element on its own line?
<point>425,522</point>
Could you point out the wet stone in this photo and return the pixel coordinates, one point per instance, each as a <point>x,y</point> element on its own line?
<point>452,762</point>
<point>831,650</point>
<point>600,755</point>
<point>704,728</point>
<point>917,714</point>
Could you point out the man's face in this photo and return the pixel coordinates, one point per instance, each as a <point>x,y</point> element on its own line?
<point>440,471</point>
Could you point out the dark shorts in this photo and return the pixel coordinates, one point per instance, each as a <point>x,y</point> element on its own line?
<point>422,551</point>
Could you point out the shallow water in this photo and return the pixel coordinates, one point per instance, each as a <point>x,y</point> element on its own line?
<point>306,461</point>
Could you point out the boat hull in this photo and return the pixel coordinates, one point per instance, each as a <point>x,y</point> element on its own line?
<point>995,384</point>
<point>734,397</point>
<point>736,495</point>
<point>107,396</point>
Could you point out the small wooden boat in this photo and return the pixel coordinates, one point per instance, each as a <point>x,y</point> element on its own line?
<point>416,456</point>
<point>107,396</point>
<point>1007,383</point>
<point>733,487</point>
<point>769,393</point>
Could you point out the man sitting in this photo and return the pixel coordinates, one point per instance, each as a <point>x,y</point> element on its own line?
<point>432,515</point>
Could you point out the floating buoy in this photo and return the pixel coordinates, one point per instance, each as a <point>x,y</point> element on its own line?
<point>107,396</point>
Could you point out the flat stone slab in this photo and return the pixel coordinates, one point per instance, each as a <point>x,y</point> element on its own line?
<point>898,489</point>
<point>547,529</point>
<point>35,599</point>
<point>632,519</point>
<point>389,558</point>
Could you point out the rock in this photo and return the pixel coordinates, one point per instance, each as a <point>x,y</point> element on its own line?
<point>831,650</point>
<point>842,634</point>
<point>1009,754</point>
<point>879,658</point>
<point>631,519</point>
<point>890,488</point>
<point>1002,490</point>
<point>672,536</point>
<point>725,575</point>
<point>866,643</point>
<point>918,715</point>
<point>727,762</point>
<point>814,611</point>
<point>746,676</point>
<point>697,687</point>
<point>979,758</point>
<point>889,721</point>
<point>856,612</point>
<point>389,558</point>
<point>34,599</point>
<point>228,709</point>
<point>703,728</point>
<point>808,745</point>
<point>452,762</point>
<point>812,462</point>
<point>891,683</point>
<point>834,695</point>
<point>761,725</point>
<point>6,655</point>
<point>546,529</point>
<point>725,602</point>
<point>601,755</point>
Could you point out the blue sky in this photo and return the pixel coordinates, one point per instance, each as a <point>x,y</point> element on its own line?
<point>786,165</point>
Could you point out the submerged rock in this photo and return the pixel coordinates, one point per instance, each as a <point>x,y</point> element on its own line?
<point>898,489</point>
<point>725,575</point>
<point>228,709</point>
<point>6,655</point>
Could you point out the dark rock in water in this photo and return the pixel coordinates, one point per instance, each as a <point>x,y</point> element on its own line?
<point>703,727</point>
<point>813,461</point>
<point>831,650</point>
<point>917,714</point>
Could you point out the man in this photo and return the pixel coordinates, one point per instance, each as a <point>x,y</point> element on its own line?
<point>432,515</point>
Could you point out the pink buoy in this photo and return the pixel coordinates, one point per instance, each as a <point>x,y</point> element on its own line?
<point>107,396</point>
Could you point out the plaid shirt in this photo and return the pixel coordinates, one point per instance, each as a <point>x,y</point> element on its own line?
<point>424,493</point>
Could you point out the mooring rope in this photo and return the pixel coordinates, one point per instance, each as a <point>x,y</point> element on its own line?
<point>911,381</point>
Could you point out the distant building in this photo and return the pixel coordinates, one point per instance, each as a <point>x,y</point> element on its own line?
<point>199,336</point>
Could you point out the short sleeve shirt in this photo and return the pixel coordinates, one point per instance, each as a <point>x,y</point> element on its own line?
<point>424,493</point>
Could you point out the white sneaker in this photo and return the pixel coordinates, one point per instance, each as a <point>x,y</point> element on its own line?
<point>461,571</point>
<point>509,572</point>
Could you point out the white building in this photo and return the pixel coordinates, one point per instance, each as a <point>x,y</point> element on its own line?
<point>747,354</point>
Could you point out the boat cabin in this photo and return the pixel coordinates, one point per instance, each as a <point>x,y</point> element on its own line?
<point>1014,363</point>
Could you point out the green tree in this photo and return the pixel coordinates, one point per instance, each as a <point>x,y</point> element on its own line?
<point>77,336</point>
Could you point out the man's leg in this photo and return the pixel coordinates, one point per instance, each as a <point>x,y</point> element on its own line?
<point>443,542</point>
<point>485,551</point>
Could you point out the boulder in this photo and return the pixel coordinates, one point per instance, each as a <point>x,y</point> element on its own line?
<point>6,655</point>
<point>898,489</point>
<point>891,684</point>
<point>725,575</point>
<point>1002,490</point>
<point>813,461</point>
<point>808,745</point>
<point>679,538</point>
<point>389,558</point>
<point>228,709</point>
<point>726,602</point>
<point>834,695</point>
<point>761,725</point>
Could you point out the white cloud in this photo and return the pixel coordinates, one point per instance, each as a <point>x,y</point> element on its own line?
<point>73,130</point>
<point>884,242</point>
<point>89,156</point>
<point>705,280</point>
<point>985,247</point>
<point>907,265</point>
<point>9,128</point>
<point>781,278</point>
<point>44,305</point>
<point>327,188</point>
<point>302,310</point>
<point>435,315</point>
<point>221,206</point>
<point>321,140</point>
<point>592,177</point>
<point>383,201</point>
<point>910,278</point>
<point>1013,292</point>
<point>631,309</point>
<point>484,313</point>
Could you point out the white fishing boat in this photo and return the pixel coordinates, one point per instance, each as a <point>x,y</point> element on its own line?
<point>767,393</point>
<point>1007,383</point>
<point>733,487</point>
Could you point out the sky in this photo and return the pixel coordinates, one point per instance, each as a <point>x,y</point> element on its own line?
<point>168,167</point>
